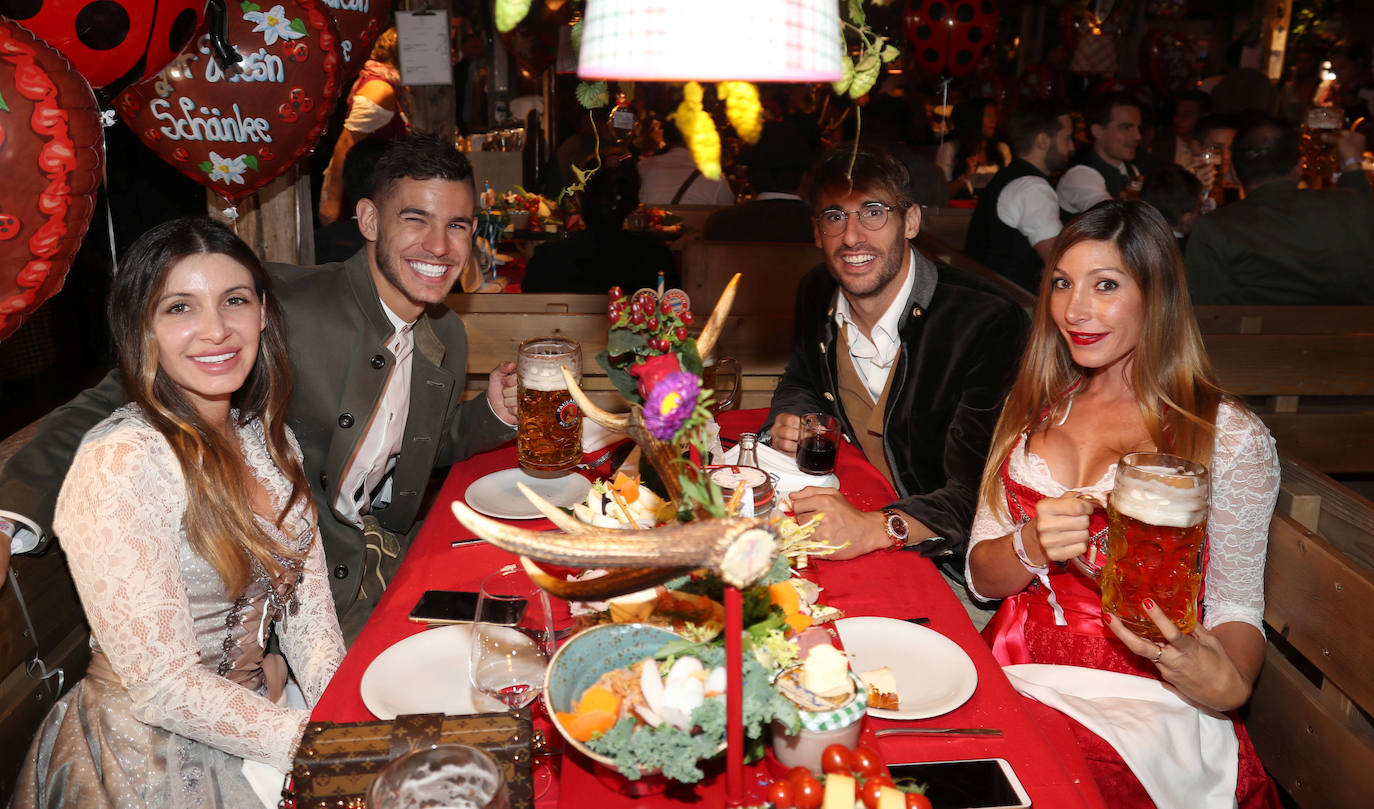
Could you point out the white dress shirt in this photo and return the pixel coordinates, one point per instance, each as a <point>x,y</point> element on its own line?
<point>873,358</point>
<point>1082,187</point>
<point>376,454</point>
<point>1030,205</point>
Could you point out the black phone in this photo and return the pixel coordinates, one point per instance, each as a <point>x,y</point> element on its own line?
<point>460,607</point>
<point>985,783</point>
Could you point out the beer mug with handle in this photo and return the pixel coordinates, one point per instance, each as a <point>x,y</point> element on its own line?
<point>712,370</point>
<point>1157,514</point>
<point>548,437</point>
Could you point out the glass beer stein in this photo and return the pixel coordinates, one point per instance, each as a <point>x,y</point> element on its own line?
<point>1157,530</point>
<point>548,438</point>
<point>712,368</point>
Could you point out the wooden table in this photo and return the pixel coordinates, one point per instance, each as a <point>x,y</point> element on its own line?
<point>1035,739</point>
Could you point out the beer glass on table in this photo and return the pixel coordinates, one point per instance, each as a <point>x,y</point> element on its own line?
<point>711,370</point>
<point>548,438</point>
<point>1157,530</point>
<point>819,444</point>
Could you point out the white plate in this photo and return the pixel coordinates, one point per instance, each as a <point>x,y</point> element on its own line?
<point>425,673</point>
<point>934,676</point>
<point>496,496</point>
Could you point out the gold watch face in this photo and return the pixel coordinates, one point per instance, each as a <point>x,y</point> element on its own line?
<point>896,526</point>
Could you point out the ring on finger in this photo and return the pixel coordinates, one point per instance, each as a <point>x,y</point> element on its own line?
<point>1158,655</point>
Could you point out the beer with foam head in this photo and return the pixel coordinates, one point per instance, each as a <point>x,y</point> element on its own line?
<point>548,438</point>
<point>1157,532</point>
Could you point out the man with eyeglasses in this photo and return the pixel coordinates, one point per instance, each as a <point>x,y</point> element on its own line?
<point>913,358</point>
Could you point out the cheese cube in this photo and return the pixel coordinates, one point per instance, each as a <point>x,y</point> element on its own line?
<point>890,798</point>
<point>840,791</point>
<point>826,671</point>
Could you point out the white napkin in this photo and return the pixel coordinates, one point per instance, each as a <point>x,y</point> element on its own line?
<point>594,436</point>
<point>790,479</point>
<point>266,780</point>
<point>1185,757</point>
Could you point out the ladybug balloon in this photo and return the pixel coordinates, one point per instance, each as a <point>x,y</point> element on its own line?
<point>113,43</point>
<point>948,36</point>
<point>235,131</point>
<point>52,147</point>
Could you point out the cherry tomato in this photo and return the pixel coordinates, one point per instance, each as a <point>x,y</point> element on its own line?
<point>780,794</point>
<point>870,792</point>
<point>883,779</point>
<point>836,758</point>
<point>915,800</point>
<point>796,774</point>
<point>809,792</point>
<point>867,762</point>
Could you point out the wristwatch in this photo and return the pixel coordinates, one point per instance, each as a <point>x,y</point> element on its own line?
<point>897,531</point>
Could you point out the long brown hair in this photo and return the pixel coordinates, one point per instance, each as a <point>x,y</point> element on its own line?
<point>1170,374</point>
<point>219,519</point>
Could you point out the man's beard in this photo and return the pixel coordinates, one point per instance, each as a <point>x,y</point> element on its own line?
<point>889,265</point>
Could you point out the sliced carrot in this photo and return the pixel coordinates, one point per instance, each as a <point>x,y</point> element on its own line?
<point>591,723</point>
<point>597,698</point>
<point>565,719</point>
<point>799,623</point>
<point>786,597</point>
<point>627,486</point>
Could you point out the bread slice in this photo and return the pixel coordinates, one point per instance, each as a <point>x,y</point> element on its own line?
<point>882,688</point>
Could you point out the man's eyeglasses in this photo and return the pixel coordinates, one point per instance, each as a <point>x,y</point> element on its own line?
<point>872,216</point>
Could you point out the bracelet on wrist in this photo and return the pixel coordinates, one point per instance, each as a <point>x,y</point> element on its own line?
<point>1018,544</point>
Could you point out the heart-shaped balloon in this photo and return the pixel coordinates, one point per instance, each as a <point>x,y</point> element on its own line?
<point>113,43</point>
<point>359,22</point>
<point>53,149</point>
<point>948,36</point>
<point>235,134</point>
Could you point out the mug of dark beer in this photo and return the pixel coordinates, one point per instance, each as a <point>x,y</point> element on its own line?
<point>712,370</point>
<point>548,438</point>
<point>1157,529</point>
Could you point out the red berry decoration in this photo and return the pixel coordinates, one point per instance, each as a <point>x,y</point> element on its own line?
<point>666,308</point>
<point>616,293</point>
<point>680,333</point>
<point>687,317</point>
<point>653,324</point>
<point>637,317</point>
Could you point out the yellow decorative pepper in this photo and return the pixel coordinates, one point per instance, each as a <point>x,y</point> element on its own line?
<point>743,109</point>
<point>699,131</point>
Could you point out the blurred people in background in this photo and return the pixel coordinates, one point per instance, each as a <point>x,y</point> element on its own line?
<point>1177,143</point>
<point>776,213</point>
<point>975,154</point>
<point>1017,218</point>
<point>1243,88</point>
<point>1353,89</point>
<point>378,107</point>
<point>1282,244</point>
<point>895,125</point>
<point>1177,194</point>
<point>603,255</point>
<point>1299,90</point>
<point>341,239</point>
<point>1106,170</point>
<point>672,177</point>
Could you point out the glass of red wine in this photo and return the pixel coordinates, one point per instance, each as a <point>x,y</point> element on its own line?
<point>820,441</point>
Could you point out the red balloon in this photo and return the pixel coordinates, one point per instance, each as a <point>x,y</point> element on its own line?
<point>113,43</point>
<point>53,148</point>
<point>235,135</point>
<point>949,36</point>
<point>1167,60</point>
<point>359,22</point>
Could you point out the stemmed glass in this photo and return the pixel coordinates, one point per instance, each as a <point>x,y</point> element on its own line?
<point>512,640</point>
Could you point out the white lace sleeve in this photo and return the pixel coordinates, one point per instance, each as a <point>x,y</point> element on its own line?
<point>986,525</point>
<point>311,638</point>
<point>1245,487</point>
<point>119,515</point>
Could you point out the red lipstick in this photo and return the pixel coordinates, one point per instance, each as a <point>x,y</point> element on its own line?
<point>1085,338</point>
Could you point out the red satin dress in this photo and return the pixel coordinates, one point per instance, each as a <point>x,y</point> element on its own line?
<point>1023,631</point>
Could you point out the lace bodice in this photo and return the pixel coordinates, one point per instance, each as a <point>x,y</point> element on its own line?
<point>158,611</point>
<point>1245,487</point>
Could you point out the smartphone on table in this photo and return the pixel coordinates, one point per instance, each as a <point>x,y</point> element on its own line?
<point>985,783</point>
<point>460,607</point>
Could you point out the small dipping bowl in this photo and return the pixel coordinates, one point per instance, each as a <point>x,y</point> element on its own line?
<point>837,724</point>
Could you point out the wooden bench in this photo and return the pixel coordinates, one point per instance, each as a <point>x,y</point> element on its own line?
<point>1310,713</point>
<point>44,642</point>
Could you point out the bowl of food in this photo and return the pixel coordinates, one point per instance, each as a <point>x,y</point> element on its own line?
<point>614,702</point>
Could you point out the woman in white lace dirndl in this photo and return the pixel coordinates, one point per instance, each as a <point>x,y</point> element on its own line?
<point>1115,364</point>
<point>188,525</point>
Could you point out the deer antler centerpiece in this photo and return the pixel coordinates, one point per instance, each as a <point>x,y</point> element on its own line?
<point>739,549</point>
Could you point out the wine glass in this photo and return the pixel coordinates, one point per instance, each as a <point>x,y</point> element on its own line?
<point>512,640</point>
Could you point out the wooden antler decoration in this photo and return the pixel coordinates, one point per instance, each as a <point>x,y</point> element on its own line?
<point>739,550</point>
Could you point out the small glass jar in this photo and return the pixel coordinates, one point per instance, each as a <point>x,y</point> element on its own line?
<point>823,723</point>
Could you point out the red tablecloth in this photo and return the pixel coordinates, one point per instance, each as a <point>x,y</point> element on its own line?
<point>1036,740</point>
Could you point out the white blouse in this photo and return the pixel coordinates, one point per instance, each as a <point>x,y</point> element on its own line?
<point>1245,487</point>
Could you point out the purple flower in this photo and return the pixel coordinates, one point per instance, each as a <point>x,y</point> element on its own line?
<point>670,403</point>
